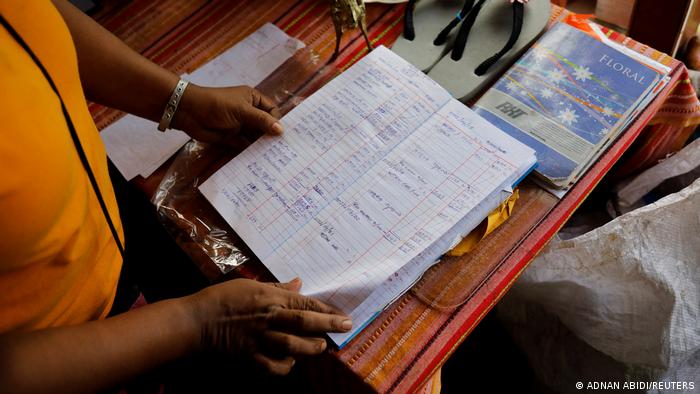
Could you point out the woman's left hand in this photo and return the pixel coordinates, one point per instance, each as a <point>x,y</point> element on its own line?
<point>233,116</point>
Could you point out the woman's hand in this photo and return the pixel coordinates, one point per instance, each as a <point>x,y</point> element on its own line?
<point>270,323</point>
<point>114,75</point>
<point>232,116</point>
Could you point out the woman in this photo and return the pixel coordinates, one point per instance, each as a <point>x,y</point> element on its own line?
<point>61,243</point>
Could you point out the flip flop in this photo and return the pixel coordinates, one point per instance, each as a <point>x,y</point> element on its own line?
<point>429,30</point>
<point>498,34</point>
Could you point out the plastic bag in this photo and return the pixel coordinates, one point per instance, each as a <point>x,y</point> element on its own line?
<point>619,303</point>
<point>630,195</point>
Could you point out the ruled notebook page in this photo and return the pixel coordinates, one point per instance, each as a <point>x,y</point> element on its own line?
<point>371,170</point>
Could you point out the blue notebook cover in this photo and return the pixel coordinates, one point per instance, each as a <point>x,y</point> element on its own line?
<point>567,97</point>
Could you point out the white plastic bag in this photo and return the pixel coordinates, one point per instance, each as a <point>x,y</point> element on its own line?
<point>630,193</point>
<point>619,302</point>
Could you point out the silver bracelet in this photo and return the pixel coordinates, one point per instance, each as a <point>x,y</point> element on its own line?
<point>171,107</point>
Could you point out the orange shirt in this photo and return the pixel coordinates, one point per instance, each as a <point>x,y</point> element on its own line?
<point>59,264</point>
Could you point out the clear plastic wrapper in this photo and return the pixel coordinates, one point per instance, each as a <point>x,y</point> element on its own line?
<point>190,220</point>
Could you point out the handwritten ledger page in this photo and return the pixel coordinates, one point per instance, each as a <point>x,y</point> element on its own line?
<point>372,169</point>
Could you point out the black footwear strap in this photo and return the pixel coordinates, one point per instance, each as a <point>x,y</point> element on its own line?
<point>518,12</point>
<point>442,36</point>
<point>408,32</point>
<point>463,34</point>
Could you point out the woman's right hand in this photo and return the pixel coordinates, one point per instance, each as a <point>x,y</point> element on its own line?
<point>270,323</point>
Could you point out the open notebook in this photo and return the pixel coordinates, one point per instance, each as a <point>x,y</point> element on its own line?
<point>376,176</point>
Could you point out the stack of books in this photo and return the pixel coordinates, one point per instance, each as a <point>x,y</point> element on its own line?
<point>569,97</point>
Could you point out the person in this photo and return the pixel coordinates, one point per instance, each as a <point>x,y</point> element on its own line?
<point>61,242</point>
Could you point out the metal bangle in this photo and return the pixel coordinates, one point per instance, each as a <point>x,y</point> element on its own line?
<point>171,107</point>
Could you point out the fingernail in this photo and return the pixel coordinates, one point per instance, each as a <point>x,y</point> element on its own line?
<point>322,345</point>
<point>277,128</point>
<point>346,324</point>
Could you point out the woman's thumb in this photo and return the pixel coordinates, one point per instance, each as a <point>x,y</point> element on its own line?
<point>258,119</point>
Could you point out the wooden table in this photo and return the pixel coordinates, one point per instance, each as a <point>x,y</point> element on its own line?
<point>403,347</point>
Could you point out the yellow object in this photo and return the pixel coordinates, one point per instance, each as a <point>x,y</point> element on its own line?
<point>59,264</point>
<point>433,385</point>
<point>495,219</point>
